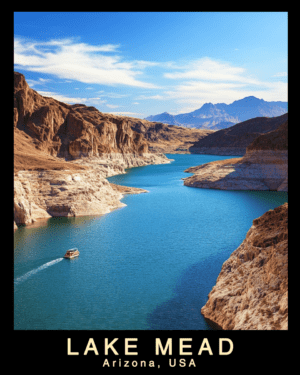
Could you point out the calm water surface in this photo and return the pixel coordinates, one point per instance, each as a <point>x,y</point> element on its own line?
<point>146,266</point>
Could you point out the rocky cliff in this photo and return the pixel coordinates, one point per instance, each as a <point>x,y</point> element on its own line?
<point>251,292</point>
<point>63,153</point>
<point>264,167</point>
<point>74,131</point>
<point>235,139</point>
<point>46,186</point>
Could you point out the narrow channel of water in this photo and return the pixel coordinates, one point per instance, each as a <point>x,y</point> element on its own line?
<point>149,265</point>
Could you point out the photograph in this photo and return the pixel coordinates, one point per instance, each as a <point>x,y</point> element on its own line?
<point>150,157</point>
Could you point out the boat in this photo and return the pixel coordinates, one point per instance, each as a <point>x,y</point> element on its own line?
<point>72,253</point>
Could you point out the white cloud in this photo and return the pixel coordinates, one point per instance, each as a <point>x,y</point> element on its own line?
<point>112,95</point>
<point>157,97</point>
<point>189,84</point>
<point>126,113</point>
<point>68,59</point>
<point>206,80</point>
<point>71,100</point>
<point>281,74</point>
<point>192,95</point>
<point>112,106</point>
<point>211,70</point>
<point>40,81</point>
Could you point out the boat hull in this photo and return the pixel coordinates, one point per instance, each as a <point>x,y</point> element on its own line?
<point>72,257</point>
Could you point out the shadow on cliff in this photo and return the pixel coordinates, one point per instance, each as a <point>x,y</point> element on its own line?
<point>183,311</point>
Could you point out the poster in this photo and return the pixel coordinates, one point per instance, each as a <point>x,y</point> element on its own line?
<point>190,107</point>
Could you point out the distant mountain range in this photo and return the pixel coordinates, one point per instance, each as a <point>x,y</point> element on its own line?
<point>221,115</point>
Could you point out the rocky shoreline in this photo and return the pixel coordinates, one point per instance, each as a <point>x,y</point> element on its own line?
<point>222,151</point>
<point>63,154</point>
<point>251,292</point>
<point>260,170</point>
<point>53,193</point>
<point>264,167</point>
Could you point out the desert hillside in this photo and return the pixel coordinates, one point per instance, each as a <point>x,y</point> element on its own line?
<point>235,139</point>
<point>169,138</point>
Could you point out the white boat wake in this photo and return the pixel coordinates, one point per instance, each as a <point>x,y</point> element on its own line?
<point>30,273</point>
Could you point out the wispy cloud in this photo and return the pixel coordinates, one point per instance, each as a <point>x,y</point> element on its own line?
<point>155,97</point>
<point>192,95</point>
<point>186,84</point>
<point>208,80</point>
<point>112,106</point>
<point>281,74</point>
<point>208,69</point>
<point>71,100</point>
<point>112,95</point>
<point>126,113</point>
<point>70,59</point>
<point>40,81</point>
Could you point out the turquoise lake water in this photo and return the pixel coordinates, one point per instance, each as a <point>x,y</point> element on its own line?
<point>149,265</point>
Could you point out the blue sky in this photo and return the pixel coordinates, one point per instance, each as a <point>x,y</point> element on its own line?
<point>145,63</point>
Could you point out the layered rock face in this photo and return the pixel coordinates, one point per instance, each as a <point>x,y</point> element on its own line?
<point>62,154</point>
<point>235,139</point>
<point>264,167</point>
<point>52,193</point>
<point>74,131</point>
<point>251,292</point>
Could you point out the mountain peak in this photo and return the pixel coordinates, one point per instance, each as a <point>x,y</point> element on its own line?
<point>210,115</point>
<point>248,98</point>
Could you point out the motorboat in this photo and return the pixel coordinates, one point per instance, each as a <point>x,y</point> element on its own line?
<point>72,253</point>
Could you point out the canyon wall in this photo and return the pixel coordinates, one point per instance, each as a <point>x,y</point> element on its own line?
<point>251,292</point>
<point>264,166</point>
<point>63,154</point>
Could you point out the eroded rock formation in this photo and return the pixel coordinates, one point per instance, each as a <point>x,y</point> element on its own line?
<point>264,167</point>
<point>74,131</point>
<point>63,154</point>
<point>251,292</point>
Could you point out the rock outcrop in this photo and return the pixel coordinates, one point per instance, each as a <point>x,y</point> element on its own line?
<point>40,195</point>
<point>251,292</point>
<point>264,167</point>
<point>235,139</point>
<point>63,154</point>
<point>74,131</point>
